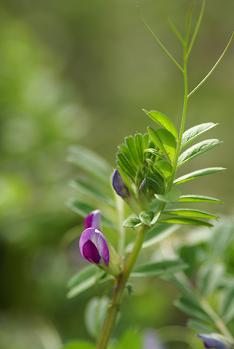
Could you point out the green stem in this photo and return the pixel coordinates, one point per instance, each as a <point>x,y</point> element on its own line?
<point>183,117</point>
<point>119,289</point>
<point>213,68</point>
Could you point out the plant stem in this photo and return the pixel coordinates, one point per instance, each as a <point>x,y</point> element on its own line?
<point>120,209</point>
<point>119,289</point>
<point>183,117</point>
<point>213,68</point>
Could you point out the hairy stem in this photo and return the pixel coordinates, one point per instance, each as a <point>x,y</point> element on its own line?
<point>118,291</point>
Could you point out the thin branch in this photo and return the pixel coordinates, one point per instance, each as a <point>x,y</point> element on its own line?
<point>197,27</point>
<point>161,45</point>
<point>214,67</point>
<point>188,25</point>
<point>176,32</point>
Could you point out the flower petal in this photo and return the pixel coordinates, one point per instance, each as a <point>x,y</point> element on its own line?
<point>90,252</point>
<point>93,220</point>
<point>97,239</point>
<point>100,242</point>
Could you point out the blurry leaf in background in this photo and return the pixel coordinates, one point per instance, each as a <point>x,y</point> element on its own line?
<point>95,315</point>
<point>24,332</point>
<point>79,345</point>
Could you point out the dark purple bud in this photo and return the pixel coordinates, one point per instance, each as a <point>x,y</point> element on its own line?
<point>93,247</point>
<point>119,186</point>
<point>214,341</point>
<point>93,220</point>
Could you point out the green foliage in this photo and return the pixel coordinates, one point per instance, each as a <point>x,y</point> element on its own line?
<point>147,165</point>
<point>78,345</point>
<point>162,268</point>
<point>196,150</point>
<point>163,121</point>
<point>209,301</point>
<point>192,133</point>
<point>95,315</point>
<point>198,173</point>
<point>198,198</point>
<point>158,233</point>
<point>186,221</point>
<point>84,279</point>
<point>130,339</point>
<point>165,141</point>
<point>186,212</point>
<point>138,166</point>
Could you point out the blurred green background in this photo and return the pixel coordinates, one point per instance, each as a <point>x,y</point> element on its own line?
<point>79,72</point>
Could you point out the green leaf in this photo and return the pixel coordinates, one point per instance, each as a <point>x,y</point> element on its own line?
<point>191,134</point>
<point>165,141</point>
<point>146,217</point>
<point>199,326</point>
<point>186,221</point>
<point>131,155</point>
<point>192,309</point>
<point>84,186</point>
<point>90,162</point>
<point>163,121</point>
<point>208,278</point>
<point>198,173</point>
<point>227,304</point>
<point>83,209</point>
<point>155,139</point>
<point>157,233</point>
<point>197,149</point>
<point>78,345</point>
<point>83,280</point>
<point>131,339</point>
<point>186,212</point>
<point>169,143</point>
<point>198,198</point>
<point>80,207</point>
<point>171,196</point>
<point>132,221</point>
<point>95,315</point>
<point>164,167</point>
<point>159,268</point>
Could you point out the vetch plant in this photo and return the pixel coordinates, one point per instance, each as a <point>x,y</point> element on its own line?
<point>140,204</point>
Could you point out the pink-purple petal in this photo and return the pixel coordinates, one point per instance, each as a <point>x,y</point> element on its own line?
<point>93,220</point>
<point>90,252</point>
<point>91,238</point>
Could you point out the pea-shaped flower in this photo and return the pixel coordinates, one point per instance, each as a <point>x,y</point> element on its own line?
<point>93,245</point>
<point>119,186</point>
<point>215,341</point>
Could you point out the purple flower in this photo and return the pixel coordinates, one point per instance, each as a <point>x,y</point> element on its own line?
<point>214,341</point>
<point>93,220</point>
<point>119,186</point>
<point>93,245</point>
